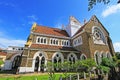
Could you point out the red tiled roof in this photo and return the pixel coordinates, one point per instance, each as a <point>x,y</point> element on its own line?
<point>50,31</point>
<point>52,47</point>
<point>3,54</point>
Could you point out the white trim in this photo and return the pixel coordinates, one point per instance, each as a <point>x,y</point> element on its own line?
<point>54,56</point>
<point>26,69</point>
<point>99,56</point>
<point>74,55</point>
<point>37,55</point>
<point>64,43</point>
<point>103,54</point>
<point>54,39</point>
<point>108,55</point>
<point>41,38</point>
<point>8,63</point>
<point>75,41</point>
<point>82,56</point>
<point>61,55</point>
<point>98,42</point>
<point>12,58</point>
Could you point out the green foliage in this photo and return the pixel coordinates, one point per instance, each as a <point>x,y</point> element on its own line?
<point>103,68</point>
<point>118,63</point>
<point>108,62</point>
<point>31,77</point>
<point>88,64</point>
<point>94,2</point>
<point>1,62</point>
<point>117,54</point>
<point>50,70</point>
<point>66,65</point>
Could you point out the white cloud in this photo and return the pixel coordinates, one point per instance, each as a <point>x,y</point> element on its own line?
<point>7,4</point>
<point>111,10</point>
<point>33,17</point>
<point>6,41</point>
<point>117,46</point>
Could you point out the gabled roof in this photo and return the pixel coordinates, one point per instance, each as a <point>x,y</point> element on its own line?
<point>52,47</point>
<point>50,31</point>
<point>87,23</point>
<point>94,16</point>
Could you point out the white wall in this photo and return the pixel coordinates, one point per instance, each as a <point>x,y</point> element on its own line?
<point>7,65</point>
<point>26,69</point>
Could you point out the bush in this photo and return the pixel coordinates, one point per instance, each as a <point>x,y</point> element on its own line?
<point>1,62</point>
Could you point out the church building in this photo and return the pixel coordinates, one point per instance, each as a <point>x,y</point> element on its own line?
<point>73,42</point>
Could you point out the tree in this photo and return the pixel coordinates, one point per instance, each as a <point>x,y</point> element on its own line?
<point>50,71</point>
<point>108,66</point>
<point>94,2</point>
<point>1,62</point>
<point>89,64</point>
<point>91,3</point>
<point>117,59</point>
<point>65,66</point>
<point>117,54</point>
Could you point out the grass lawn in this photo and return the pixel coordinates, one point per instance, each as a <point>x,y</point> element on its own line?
<point>32,77</point>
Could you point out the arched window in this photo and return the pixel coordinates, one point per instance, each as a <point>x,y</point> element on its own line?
<point>54,41</point>
<point>16,62</point>
<point>41,40</point>
<point>38,40</point>
<point>103,55</point>
<point>57,59</point>
<point>72,58</point>
<point>98,36</point>
<point>44,40</point>
<point>39,61</point>
<point>83,57</point>
<point>109,56</point>
<point>97,58</point>
<point>51,41</point>
<point>57,42</point>
<point>65,43</point>
<point>36,64</point>
<point>77,41</point>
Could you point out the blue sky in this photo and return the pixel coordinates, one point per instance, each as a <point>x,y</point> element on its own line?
<point>17,17</point>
